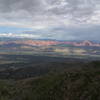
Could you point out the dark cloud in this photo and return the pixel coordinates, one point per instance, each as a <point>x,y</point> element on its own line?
<point>77,9</point>
<point>15,5</point>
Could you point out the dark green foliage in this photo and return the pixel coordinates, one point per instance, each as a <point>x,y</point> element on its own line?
<point>83,84</point>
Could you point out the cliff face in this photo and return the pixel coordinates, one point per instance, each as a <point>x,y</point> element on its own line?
<point>32,42</point>
<point>83,43</point>
<point>50,42</point>
<point>86,43</point>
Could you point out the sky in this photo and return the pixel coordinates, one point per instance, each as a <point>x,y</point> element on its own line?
<point>50,19</point>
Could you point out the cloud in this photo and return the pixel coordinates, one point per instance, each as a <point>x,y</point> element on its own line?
<point>13,35</point>
<point>59,33</point>
<point>69,33</point>
<point>36,12</point>
<point>46,15</point>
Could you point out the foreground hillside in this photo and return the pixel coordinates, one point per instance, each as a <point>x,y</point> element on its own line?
<point>73,84</point>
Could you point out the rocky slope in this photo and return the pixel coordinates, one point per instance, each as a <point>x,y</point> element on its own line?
<point>50,42</point>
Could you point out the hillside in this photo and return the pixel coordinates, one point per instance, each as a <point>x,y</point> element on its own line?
<point>77,84</point>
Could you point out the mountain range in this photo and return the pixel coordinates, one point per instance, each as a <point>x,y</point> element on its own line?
<point>50,47</point>
<point>50,43</point>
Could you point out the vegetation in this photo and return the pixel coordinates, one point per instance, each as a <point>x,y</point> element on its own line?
<point>69,84</point>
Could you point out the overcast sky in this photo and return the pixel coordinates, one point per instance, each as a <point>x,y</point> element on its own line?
<point>55,19</point>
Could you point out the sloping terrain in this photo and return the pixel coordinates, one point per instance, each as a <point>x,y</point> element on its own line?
<point>73,84</point>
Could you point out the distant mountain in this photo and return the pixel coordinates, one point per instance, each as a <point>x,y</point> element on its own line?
<point>31,42</point>
<point>87,43</point>
<point>50,42</point>
<point>50,47</point>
